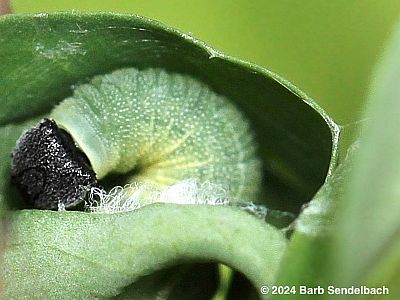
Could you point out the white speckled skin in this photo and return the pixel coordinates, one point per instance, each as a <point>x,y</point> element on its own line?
<point>169,127</point>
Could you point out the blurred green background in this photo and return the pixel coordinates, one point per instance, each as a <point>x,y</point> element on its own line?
<point>326,47</point>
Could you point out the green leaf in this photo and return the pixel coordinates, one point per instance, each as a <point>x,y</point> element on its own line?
<point>368,226</point>
<point>348,235</point>
<point>307,260</point>
<point>88,256</point>
<point>44,55</point>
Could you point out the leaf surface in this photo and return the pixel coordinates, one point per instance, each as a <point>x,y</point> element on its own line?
<point>87,255</point>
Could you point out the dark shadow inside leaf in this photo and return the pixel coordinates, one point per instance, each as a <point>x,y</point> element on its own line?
<point>241,288</point>
<point>194,281</point>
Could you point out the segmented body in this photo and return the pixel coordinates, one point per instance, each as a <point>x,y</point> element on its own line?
<point>167,127</point>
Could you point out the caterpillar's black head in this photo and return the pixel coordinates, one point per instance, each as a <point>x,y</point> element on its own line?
<point>49,170</point>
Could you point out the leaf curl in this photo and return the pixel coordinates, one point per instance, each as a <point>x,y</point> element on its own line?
<point>88,256</point>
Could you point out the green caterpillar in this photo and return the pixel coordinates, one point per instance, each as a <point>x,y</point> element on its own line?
<point>167,127</point>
